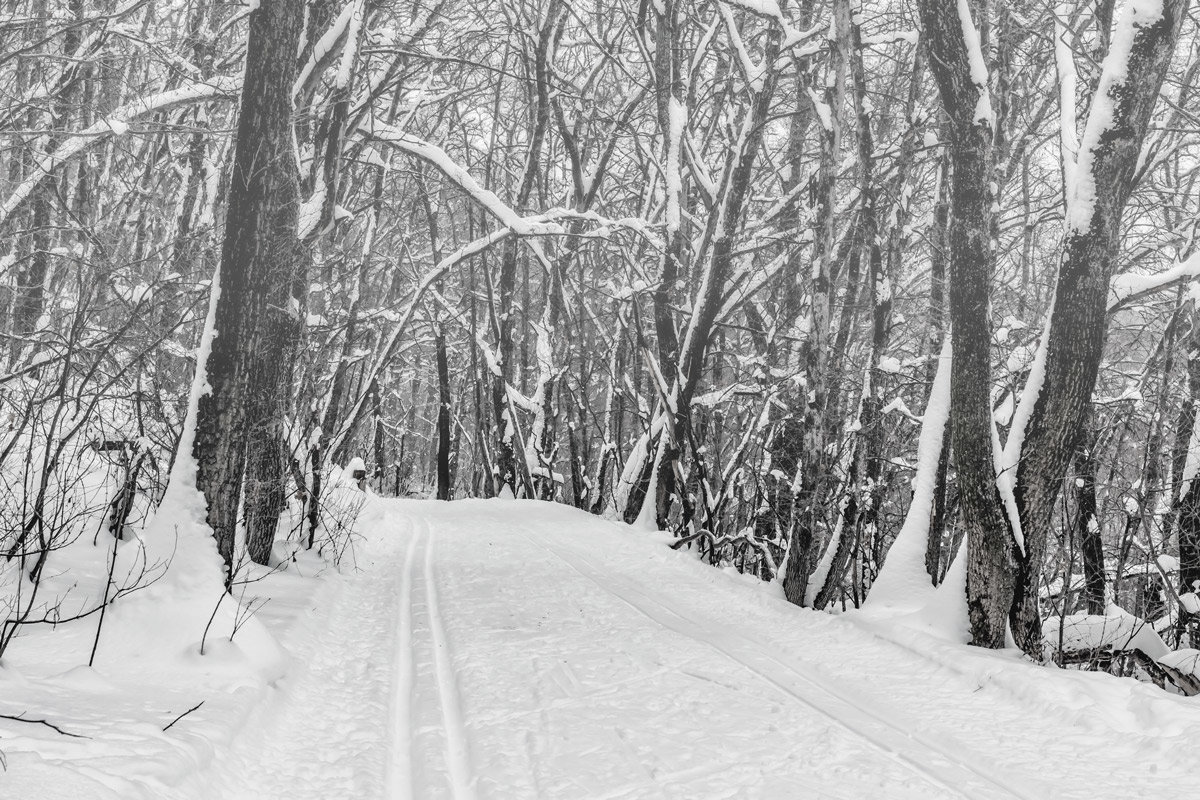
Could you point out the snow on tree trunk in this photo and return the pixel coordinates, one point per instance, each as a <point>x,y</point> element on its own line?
<point>170,617</point>
<point>958,67</point>
<point>903,582</point>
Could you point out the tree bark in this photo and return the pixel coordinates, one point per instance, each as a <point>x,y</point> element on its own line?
<point>990,546</point>
<point>1087,526</point>
<point>808,431</point>
<point>259,246</point>
<point>1077,323</point>
<point>443,417</point>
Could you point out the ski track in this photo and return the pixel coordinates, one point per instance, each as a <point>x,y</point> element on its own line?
<point>828,701</point>
<point>512,650</point>
<point>684,626</point>
<point>458,759</point>
<point>399,776</point>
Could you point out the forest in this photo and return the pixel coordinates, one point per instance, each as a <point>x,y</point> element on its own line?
<point>857,297</point>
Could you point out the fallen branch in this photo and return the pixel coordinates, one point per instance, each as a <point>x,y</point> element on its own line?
<point>181,716</point>
<point>48,724</point>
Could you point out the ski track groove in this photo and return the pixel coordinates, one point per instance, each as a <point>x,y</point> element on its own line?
<point>400,768</point>
<point>645,605</point>
<point>458,759</point>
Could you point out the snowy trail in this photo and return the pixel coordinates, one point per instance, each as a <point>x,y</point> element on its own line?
<point>929,761</point>
<point>520,650</point>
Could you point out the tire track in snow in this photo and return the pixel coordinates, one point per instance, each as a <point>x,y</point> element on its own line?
<point>837,708</point>
<point>458,759</point>
<point>400,767</point>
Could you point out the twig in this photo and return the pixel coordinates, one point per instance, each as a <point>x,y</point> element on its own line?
<point>181,716</point>
<point>48,724</point>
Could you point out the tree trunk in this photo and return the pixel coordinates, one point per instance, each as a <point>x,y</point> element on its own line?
<point>990,546</point>
<point>1087,525</point>
<point>443,417</point>
<point>505,434</point>
<point>259,248</point>
<point>939,251</point>
<point>1117,125</point>
<point>807,431</point>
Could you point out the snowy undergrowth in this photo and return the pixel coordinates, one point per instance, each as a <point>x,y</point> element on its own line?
<point>176,664</point>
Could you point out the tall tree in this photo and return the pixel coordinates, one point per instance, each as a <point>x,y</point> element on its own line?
<point>257,260</point>
<point>956,61</point>
<point>1046,435</point>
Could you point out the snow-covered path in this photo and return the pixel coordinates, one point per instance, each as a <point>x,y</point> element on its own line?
<point>519,650</point>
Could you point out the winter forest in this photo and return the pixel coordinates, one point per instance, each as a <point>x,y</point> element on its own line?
<point>863,315</point>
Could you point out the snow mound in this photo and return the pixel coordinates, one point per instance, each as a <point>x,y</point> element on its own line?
<point>1186,660</point>
<point>1116,630</point>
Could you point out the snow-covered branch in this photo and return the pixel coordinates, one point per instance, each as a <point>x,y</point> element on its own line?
<point>116,124</point>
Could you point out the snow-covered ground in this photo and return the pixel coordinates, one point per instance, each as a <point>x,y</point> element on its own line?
<point>510,649</point>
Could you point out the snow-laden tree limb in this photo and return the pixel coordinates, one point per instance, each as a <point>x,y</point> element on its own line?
<point>1133,19</point>
<point>386,353</point>
<point>1064,60</point>
<point>116,124</point>
<point>538,224</point>
<point>460,177</point>
<point>1128,288</point>
<point>331,42</point>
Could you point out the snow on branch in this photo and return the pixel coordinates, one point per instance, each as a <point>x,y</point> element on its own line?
<point>544,224</point>
<point>341,34</point>
<point>1114,72</point>
<point>459,175</point>
<point>762,8</point>
<point>116,124</point>
<point>1064,60</point>
<point>1129,288</point>
<point>752,72</point>
<point>385,355</point>
<point>902,582</point>
<point>538,224</point>
<point>979,71</point>
<point>791,36</point>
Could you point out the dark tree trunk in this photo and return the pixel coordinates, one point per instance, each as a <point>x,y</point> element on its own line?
<point>1077,324</point>
<point>1189,538</point>
<point>443,418</point>
<point>1184,518</point>
<point>1087,525</point>
<point>939,247</point>
<point>259,248</point>
<point>990,547</point>
<point>379,435</point>
<point>280,333</point>
<point>861,534</point>
<point>669,90</point>
<point>505,469</point>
